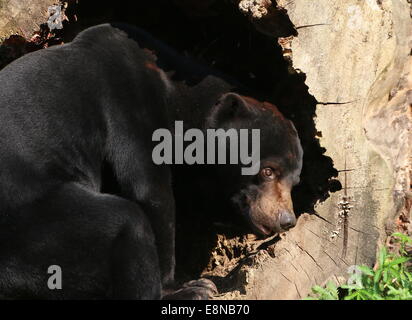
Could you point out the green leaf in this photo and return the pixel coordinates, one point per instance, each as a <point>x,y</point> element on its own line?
<point>366,270</point>
<point>350,287</point>
<point>385,276</point>
<point>404,238</point>
<point>382,257</point>
<point>377,278</point>
<point>398,261</point>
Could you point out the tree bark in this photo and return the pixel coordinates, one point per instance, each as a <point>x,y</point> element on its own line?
<point>22,18</point>
<point>357,61</point>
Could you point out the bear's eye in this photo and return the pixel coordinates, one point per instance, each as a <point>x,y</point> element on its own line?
<point>268,173</point>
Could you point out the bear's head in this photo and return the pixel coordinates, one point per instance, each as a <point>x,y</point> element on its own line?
<point>264,197</point>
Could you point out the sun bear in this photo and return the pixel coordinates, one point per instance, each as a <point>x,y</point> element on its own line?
<point>68,110</point>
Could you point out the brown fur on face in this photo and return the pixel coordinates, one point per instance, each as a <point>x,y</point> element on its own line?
<point>253,103</point>
<point>270,201</point>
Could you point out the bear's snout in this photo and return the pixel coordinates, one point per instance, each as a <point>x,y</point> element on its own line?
<point>287,220</point>
<point>268,208</point>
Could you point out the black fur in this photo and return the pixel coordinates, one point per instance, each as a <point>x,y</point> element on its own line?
<point>65,112</point>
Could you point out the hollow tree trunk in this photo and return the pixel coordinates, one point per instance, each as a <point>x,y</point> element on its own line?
<point>357,60</point>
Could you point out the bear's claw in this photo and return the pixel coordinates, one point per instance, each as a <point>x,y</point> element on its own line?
<point>202,289</point>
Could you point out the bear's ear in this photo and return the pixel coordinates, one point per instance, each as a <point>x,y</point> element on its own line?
<point>229,107</point>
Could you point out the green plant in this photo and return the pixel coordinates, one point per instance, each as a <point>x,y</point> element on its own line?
<point>389,280</point>
<point>330,292</point>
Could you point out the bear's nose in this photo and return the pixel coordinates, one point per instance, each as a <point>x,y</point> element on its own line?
<point>287,220</point>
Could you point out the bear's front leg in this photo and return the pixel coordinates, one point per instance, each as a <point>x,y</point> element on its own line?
<point>149,185</point>
<point>156,198</point>
<point>143,181</point>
